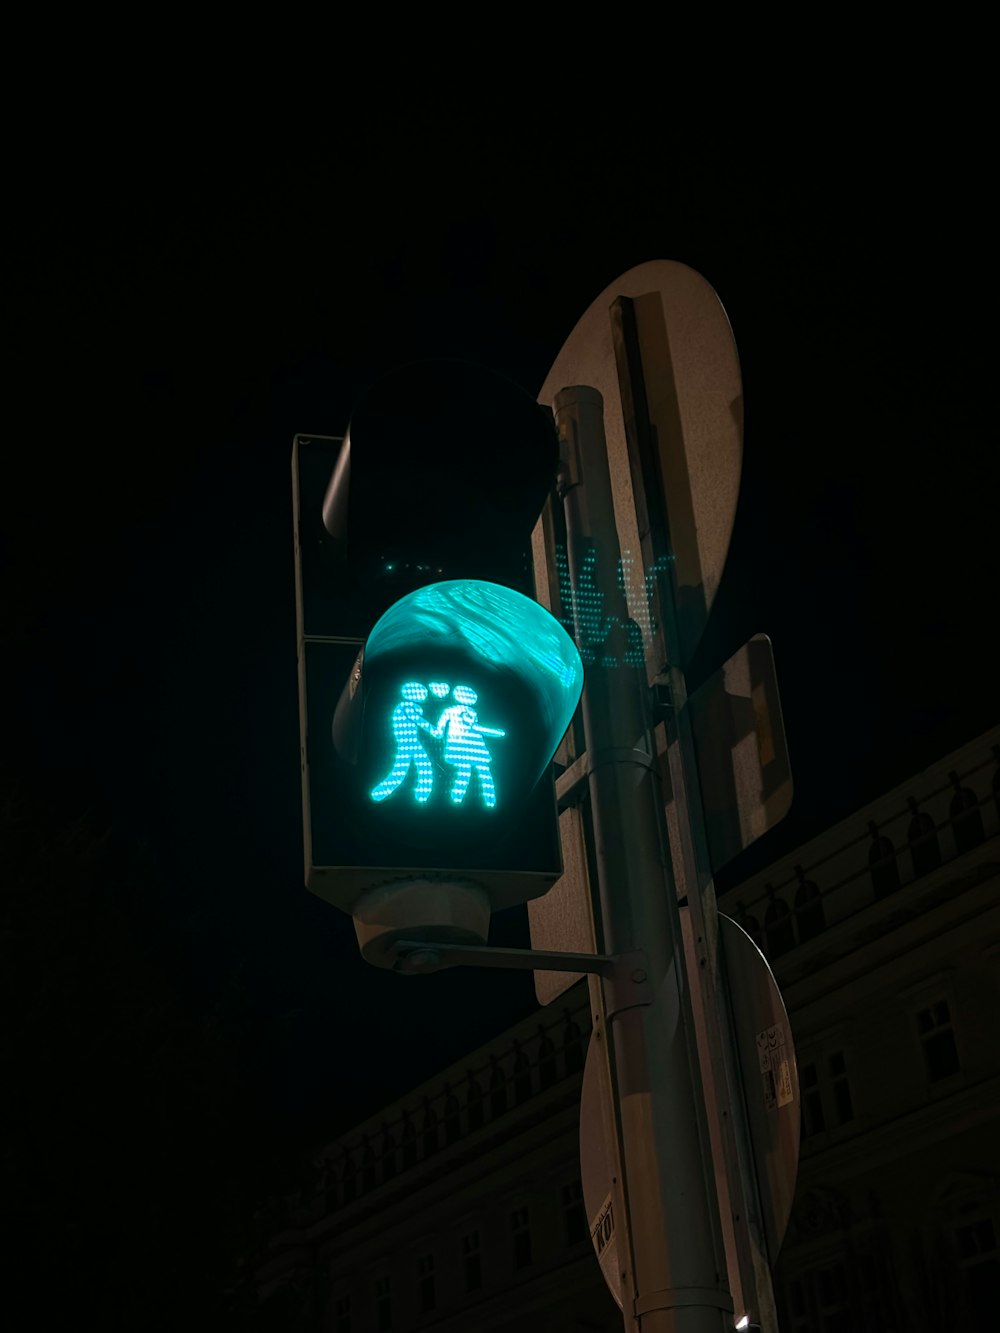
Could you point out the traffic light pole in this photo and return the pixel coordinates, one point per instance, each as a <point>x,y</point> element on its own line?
<point>740,1203</point>
<point>673,1231</point>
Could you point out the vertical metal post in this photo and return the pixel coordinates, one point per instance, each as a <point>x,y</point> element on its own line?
<point>680,1283</point>
<point>737,1189</point>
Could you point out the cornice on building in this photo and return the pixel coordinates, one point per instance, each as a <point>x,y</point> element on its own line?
<point>850,952</point>
<point>795,909</point>
<point>856,1154</point>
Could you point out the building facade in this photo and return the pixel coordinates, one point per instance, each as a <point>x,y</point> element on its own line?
<point>460,1206</point>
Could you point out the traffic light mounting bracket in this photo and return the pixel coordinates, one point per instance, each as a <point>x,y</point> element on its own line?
<point>626,975</point>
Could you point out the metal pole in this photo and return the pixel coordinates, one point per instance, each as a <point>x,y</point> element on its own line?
<point>679,1271</point>
<point>739,1201</point>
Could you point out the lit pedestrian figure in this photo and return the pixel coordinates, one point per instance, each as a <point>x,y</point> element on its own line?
<point>407,722</point>
<point>464,747</point>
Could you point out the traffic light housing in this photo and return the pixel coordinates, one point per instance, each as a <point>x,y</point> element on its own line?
<point>434,690</point>
<point>443,473</point>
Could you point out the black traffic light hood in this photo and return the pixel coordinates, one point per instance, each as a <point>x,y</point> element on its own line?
<point>444,470</point>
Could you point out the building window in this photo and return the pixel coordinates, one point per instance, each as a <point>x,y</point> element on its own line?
<point>826,1094</point>
<point>833,1301</point>
<point>522,1076</point>
<point>819,1302</point>
<point>498,1089</point>
<point>474,1103</point>
<point>547,1073</point>
<point>925,851</point>
<point>796,1300</point>
<point>838,1298</point>
<point>383,1303</point>
<point>572,1040</point>
<point>573,1214</point>
<point>332,1193</point>
<point>343,1315</point>
<point>878,1292</point>
<point>843,1108</point>
<point>808,908</point>
<point>750,924</point>
<point>425,1277</point>
<point>388,1154</point>
<point>779,926</point>
<point>937,1038</point>
<point>350,1179</point>
<point>472,1261</point>
<point>521,1235</point>
<point>813,1119</point>
<point>452,1113</point>
<point>368,1167</point>
<point>966,819</point>
<point>409,1144</point>
<point>882,863</point>
<point>430,1130</point>
<point>976,1243</point>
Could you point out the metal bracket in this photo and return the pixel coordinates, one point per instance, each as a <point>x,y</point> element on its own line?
<point>571,783</point>
<point>628,985</point>
<point>413,956</point>
<point>625,975</point>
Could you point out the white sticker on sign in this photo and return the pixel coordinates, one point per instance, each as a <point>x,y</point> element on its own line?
<point>602,1233</point>
<point>775,1066</point>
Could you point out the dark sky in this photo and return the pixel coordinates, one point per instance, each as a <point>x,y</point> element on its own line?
<point>190,305</point>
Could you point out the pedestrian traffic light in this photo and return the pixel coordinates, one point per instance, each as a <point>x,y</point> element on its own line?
<point>434,689</point>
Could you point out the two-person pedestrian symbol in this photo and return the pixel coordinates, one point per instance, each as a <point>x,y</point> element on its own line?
<point>464,748</point>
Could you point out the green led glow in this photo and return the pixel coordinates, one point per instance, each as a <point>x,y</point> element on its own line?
<point>585,615</point>
<point>501,626</point>
<point>462,748</point>
<point>514,667</point>
<point>408,722</point>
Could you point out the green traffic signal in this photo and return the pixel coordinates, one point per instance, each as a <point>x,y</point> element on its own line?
<point>462,736</point>
<point>466,689</point>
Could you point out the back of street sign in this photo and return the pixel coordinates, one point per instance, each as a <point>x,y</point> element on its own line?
<point>769,1089</point>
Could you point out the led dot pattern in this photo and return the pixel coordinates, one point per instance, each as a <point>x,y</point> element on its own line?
<point>462,745</point>
<point>444,733</point>
<point>585,615</point>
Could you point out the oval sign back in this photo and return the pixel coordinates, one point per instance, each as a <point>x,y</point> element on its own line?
<point>658,347</point>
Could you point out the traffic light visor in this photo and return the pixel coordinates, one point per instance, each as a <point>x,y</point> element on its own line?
<point>443,471</point>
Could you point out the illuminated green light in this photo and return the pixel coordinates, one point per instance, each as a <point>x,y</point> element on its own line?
<point>449,737</point>
<point>464,747</point>
<point>461,735</point>
<point>407,723</point>
<point>500,625</point>
<point>585,614</point>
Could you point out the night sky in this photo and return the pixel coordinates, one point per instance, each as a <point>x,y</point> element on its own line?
<point>189,307</point>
